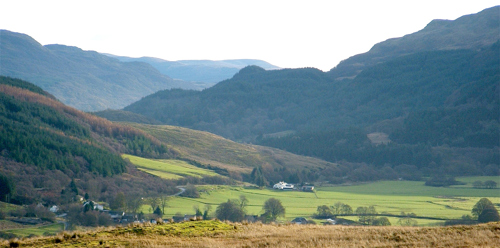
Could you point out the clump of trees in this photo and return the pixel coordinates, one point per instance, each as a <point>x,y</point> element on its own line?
<point>489,184</point>
<point>367,215</point>
<point>339,208</point>
<point>231,210</point>
<point>235,210</point>
<point>485,211</point>
<point>81,216</point>
<point>443,181</point>
<point>7,187</point>
<point>191,191</point>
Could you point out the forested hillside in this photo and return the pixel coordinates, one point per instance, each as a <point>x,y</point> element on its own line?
<point>86,80</point>
<point>45,145</point>
<point>438,106</point>
<point>258,102</point>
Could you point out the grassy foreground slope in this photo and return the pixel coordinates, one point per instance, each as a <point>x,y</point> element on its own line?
<point>220,234</point>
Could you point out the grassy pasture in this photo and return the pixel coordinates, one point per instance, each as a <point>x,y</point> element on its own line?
<point>7,207</point>
<point>471,180</point>
<point>38,231</point>
<point>168,168</point>
<point>391,197</point>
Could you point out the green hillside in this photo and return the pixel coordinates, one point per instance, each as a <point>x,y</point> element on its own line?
<point>168,168</point>
<point>236,160</point>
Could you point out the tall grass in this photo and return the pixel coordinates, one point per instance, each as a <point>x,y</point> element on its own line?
<point>220,234</point>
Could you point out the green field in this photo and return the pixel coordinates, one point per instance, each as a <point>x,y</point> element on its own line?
<point>391,197</point>
<point>38,231</point>
<point>168,168</point>
<point>7,207</point>
<point>470,180</point>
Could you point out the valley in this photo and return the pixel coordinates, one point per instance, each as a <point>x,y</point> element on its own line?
<point>395,147</point>
<point>388,197</point>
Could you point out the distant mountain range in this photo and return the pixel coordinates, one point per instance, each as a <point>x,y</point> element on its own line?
<point>86,80</point>
<point>204,72</point>
<point>91,81</point>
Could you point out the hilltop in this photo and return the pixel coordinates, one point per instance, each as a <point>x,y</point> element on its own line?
<point>82,79</point>
<point>469,32</point>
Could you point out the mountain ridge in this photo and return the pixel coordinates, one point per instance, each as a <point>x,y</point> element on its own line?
<point>205,72</point>
<point>466,32</point>
<point>84,79</point>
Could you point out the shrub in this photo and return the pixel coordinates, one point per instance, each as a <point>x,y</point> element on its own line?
<point>191,191</point>
<point>489,214</point>
<point>490,184</point>
<point>231,211</point>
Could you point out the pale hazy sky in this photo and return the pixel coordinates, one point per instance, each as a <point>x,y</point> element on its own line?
<point>288,33</point>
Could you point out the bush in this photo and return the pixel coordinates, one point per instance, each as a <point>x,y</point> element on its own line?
<point>482,204</point>
<point>105,220</point>
<point>477,184</point>
<point>489,214</point>
<point>323,212</point>
<point>231,211</point>
<point>6,235</point>
<point>191,191</point>
<point>490,184</point>
<point>382,221</point>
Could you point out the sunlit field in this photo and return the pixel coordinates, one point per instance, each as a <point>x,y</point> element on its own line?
<point>38,231</point>
<point>168,168</point>
<point>392,197</point>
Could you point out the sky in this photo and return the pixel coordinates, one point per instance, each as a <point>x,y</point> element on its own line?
<point>288,33</point>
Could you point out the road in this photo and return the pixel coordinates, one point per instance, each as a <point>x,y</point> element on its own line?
<point>178,193</point>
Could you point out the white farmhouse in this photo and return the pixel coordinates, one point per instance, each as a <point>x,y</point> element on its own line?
<point>283,186</point>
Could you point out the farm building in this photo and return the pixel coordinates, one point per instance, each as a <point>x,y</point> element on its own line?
<point>283,186</point>
<point>308,188</point>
